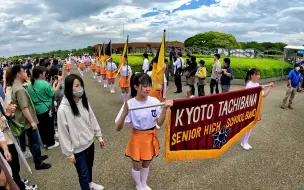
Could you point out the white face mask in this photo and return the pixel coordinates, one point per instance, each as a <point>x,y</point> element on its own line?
<point>78,92</point>
<point>297,68</point>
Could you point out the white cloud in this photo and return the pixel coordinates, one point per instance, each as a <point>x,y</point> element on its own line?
<point>29,26</point>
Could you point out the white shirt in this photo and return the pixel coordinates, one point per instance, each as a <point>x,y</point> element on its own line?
<point>123,71</point>
<point>251,84</point>
<point>159,85</point>
<point>2,138</point>
<point>146,65</point>
<point>111,66</point>
<point>216,69</point>
<point>93,61</point>
<point>179,63</point>
<point>142,119</point>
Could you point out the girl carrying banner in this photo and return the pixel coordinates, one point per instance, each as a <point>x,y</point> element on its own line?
<point>111,69</point>
<point>124,81</point>
<point>143,144</point>
<point>251,80</point>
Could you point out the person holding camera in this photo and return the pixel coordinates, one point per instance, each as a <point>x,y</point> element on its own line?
<point>42,94</point>
<point>294,78</point>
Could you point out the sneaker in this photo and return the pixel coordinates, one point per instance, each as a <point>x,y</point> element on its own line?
<point>53,146</point>
<point>95,186</point>
<point>283,106</point>
<point>99,81</point>
<point>112,91</point>
<point>137,188</point>
<point>192,96</point>
<point>56,135</point>
<point>25,181</point>
<point>147,188</point>
<point>43,166</point>
<point>245,146</point>
<point>290,107</point>
<point>31,187</point>
<point>248,145</point>
<point>105,86</point>
<point>27,154</point>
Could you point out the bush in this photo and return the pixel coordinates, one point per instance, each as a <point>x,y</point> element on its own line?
<point>268,68</point>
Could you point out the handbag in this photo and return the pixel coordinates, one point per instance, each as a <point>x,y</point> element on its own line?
<point>50,108</point>
<point>16,128</point>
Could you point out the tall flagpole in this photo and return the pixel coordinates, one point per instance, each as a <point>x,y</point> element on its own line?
<point>127,52</point>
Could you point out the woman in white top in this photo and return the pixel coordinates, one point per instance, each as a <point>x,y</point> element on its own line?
<point>251,80</point>
<point>143,144</point>
<point>124,81</point>
<point>111,69</point>
<point>77,127</point>
<point>146,65</point>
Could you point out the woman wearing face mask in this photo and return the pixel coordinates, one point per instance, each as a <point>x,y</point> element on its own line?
<point>77,127</point>
<point>42,94</point>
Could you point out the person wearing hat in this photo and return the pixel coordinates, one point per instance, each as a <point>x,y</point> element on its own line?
<point>201,75</point>
<point>294,78</point>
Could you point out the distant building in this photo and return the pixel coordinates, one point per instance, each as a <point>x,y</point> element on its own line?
<point>141,47</point>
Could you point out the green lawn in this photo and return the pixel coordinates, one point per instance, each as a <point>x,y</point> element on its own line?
<point>269,68</point>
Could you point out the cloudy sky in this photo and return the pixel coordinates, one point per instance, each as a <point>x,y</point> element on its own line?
<point>34,26</point>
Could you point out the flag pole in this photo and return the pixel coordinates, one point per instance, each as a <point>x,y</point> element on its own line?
<point>147,106</point>
<point>127,52</point>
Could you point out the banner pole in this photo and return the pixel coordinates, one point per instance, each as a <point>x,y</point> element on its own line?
<point>148,106</point>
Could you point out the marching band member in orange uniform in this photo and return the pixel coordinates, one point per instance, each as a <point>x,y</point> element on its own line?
<point>161,92</point>
<point>81,66</point>
<point>103,72</point>
<point>68,65</point>
<point>124,81</point>
<point>143,145</point>
<point>93,66</point>
<point>111,69</point>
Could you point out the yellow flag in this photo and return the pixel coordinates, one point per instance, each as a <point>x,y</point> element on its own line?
<point>122,57</point>
<point>159,66</point>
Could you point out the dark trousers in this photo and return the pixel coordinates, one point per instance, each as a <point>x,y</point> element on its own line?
<point>22,142</point>
<point>15,166</point>
<point>192,89</point>
<point>178,83</point>
<point>34,145</point>
<point>84,166</point>
<point>46,129</point>
<point>214,83</point>
<point>201,90</point>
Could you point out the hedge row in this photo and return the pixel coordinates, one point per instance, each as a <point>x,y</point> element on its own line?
<point>268,68</point>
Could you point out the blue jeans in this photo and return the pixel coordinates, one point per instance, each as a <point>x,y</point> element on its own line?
<point>84,165</point>
<point>34,145</point>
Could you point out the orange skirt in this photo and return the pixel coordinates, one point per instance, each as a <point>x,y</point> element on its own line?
<point>86,63</point>
<point>68,67</point>
<point>93,67</point>
<point>143,145</point>
<point>103,71</point>
<point>123,83</point>
<point>81,65</point>
<point>97,69</point>
<point>110,75</point>
<point>157,94</point>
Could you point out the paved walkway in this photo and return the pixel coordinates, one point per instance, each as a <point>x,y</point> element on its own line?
<point>275,162</point>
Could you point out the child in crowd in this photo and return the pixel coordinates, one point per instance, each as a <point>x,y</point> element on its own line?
<point>201,75</point>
